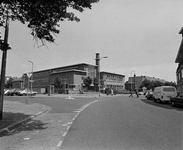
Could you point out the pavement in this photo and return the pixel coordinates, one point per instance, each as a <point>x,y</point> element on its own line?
<point>17,113</point>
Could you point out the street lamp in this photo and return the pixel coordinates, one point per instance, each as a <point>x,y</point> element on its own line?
<point>98,58</point>
<point>4,46</point>
<point>32,74</point>
<point>131,78</point>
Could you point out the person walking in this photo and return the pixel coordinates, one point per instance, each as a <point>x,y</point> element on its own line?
<point>131,94</point>
<point>136,92</point>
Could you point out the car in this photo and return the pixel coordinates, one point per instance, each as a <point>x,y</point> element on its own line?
<point>149,95</point>
<point>27,92</point>
<point>9,92</point>
<point>141,93</point>
<point>178,100</point>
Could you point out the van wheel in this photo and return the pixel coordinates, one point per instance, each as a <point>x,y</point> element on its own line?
<point>155,100</point>
<point>173,103</point>
<point>159,100</point>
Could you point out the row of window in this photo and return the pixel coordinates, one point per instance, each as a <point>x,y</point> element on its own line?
<point>180,75</point>
<point>114,86</point>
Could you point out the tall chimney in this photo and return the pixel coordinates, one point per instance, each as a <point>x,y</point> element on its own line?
<point>98,65</point>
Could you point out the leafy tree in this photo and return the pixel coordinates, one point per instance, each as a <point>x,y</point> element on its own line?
<point>42,16</point>
<point>57,83</point>
<point>152,84</point>
<point>9,84</point>
<point>170,84</point>
<point>95,82</point>
<point>87,81</point>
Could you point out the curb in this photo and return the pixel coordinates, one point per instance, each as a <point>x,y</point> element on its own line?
<point>10,128</point>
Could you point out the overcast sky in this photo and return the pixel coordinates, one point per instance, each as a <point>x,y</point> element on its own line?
<point>136,35</point>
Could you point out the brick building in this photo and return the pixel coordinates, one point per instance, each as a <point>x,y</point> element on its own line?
<point>70,78</point>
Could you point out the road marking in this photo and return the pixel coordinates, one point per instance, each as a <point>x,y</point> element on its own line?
<point>64,134</point>
<point>68,127</point>
<point>77,111</point>
<point>73,118</point>
<point>59,143</point>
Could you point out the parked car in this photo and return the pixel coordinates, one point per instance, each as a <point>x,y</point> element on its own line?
<point>27,92</point>
<point>149,95</point>
<point>141,93</point>
<point>9,92</point>
<point>178,100</point>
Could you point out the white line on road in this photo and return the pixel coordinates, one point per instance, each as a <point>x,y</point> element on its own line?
<point>64,134</point>
<point>59,143</point>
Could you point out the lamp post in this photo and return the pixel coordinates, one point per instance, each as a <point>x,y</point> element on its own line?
<point>98,58</point>
<point>4,46</point>
<point>131,78</point>
<point>32,75</point>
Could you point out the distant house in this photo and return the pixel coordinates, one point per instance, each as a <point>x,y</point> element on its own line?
<point>179,60</point>
<point>17,83</point>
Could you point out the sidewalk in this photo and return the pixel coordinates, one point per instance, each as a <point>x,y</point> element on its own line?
<point>17,113</point>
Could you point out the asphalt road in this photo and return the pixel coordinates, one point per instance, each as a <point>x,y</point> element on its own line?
<point>108,123</point>
<point>47,131</point>
<point>122,123</point>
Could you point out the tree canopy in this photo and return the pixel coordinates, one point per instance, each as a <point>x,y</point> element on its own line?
<point>42,16</point>
<point>152,84</point>
<point>87,81</point>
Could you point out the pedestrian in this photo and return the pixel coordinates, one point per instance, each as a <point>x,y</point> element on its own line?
<point>131,95</point>
<point>136,92</point>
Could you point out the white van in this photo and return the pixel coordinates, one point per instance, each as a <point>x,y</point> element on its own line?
<point>163,93</point>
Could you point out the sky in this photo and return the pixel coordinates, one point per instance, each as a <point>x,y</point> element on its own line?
<point>137,36</point>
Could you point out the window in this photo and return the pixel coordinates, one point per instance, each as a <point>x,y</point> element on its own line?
<point>168,89</point>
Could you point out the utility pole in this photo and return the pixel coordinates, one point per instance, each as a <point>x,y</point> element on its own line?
<point>4,46</point>
<point>31,77</point>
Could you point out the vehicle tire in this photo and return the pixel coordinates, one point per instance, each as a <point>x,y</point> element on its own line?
<point>155,100</point>
<point>173,103</point>
<point>159,100</point>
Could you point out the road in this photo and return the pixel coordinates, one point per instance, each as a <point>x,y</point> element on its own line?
<point>123,123</point>
<point>46,131</point>
<point>107,123</point>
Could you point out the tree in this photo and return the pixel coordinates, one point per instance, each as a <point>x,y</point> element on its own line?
<point>170,84</point>
<point>152,84</point>
<point>42,16</point>
<point>9,84</point>
<point>95,83</point>
<point>57,83</point>
<point>87,81</point>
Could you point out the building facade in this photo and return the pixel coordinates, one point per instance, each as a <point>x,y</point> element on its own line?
<point>179,70</point>
<point>112,80</point>
<point>69,78</point>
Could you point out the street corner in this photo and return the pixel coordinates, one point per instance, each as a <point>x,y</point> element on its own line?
<point>17,113</point>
